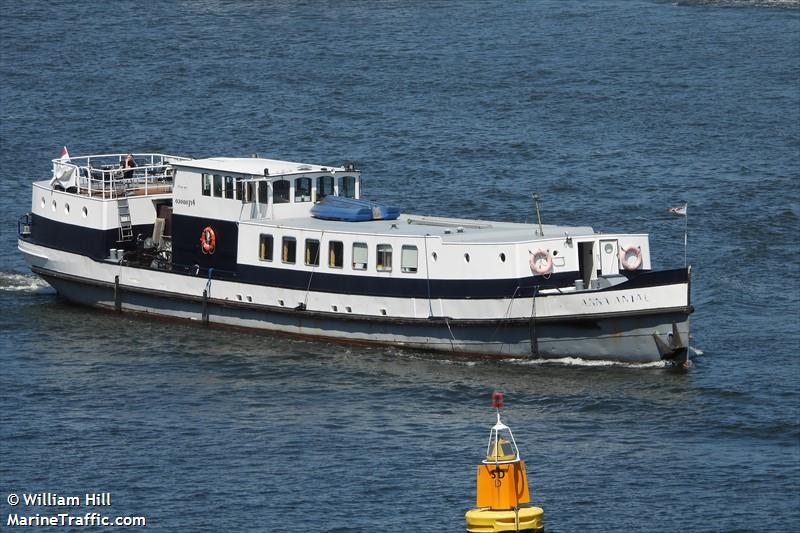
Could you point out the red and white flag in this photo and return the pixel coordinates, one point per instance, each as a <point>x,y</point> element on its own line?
<point>679,209</point>
<point>64,154</point>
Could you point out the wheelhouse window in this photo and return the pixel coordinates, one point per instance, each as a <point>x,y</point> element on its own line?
<point>280,192</point>
<point>408,259</point>
<point>347,186</point>
<point>207,184</point>
<point>265,243</point>
<point>335,254</point>
<point>302,190</point>
<point>249,191</point>
<point>324,187</point>
<point>239,189</point>
<point>312,252</point>
<point>263,192</point>
<point>383,258</point>
<point>289,250</point>
<point>217,186</point>
<point>229,187</point>
<point>359,256</point>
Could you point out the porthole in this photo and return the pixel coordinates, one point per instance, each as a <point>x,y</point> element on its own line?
<point>434,256</point>
<point>54,206</point>
<point>85,212</point>
<point>502,257</point>
<point>66,209</point>
<point>555,253</point>
<point>43,202</point>
<point>466,257</point>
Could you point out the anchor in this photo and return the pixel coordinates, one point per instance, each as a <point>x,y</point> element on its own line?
<point>674,350</point>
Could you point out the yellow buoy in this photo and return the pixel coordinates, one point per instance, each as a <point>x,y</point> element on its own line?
<point>502,501</point>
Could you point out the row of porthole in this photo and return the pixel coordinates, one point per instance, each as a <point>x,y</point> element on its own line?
<point>334,308</point>
<point>54,206</point>
<point>502,256</point>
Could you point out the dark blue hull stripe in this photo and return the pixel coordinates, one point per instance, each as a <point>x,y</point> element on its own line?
<point>188,259</point>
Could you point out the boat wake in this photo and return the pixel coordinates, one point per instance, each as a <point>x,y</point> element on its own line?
<point>17,282</point>
<point>577,361</point>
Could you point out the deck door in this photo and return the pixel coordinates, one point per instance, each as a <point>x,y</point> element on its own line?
<point>609,257</point>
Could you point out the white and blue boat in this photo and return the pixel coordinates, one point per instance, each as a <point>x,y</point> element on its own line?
<point>292,248</point>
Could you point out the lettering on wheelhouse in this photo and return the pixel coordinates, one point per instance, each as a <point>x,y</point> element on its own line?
<point>183,201</point>
<point>600,301</point>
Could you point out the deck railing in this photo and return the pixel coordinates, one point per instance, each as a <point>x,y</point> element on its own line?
<point>103,176</point>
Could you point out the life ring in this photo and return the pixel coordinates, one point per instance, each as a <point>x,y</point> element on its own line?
<point>541,262</point>
<point>630,257</point>
<point>208,240</point>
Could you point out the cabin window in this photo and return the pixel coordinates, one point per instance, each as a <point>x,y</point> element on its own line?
<point>383,258</point>
<point>324,187</point>
<point>289,251</point>
<point>408,259</point>
<point>239,189</point>
<point>312,252</point>
<point>335,254</point>
<point>265,247</point>
<point>280,192</point>
<point>228,187</point>
<point>302,190</point>
<point>347,186</point>
<point>263,192</point>
<point>249,191</point>
<point>217,186</point>
<point>206,184</point>
<point>359,256</point>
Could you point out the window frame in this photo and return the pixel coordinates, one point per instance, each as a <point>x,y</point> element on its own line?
<point>403,268</point>
<point>305,198</point>
<point>320,187</point>
<point>275,198</point>
<point>207,184</point>
<point>284,241</point>
<point>332,264</point>
<point>381,254</point>
<point>306,250</point>
<point>266,254</point>
<point>342,188</point>
<point>365,264</point>
<point>218,186</point>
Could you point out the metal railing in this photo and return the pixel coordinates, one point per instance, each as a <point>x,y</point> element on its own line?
<point>104,176</point>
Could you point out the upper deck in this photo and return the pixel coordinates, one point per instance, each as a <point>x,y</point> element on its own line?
<point>449,230</point>
<point>105,177</point>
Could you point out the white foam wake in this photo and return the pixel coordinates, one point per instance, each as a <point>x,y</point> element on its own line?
<point>17,282</point>
<point>577,361</point>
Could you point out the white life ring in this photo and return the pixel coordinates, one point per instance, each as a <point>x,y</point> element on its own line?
<point>541,262</point>
<point>630,257</point>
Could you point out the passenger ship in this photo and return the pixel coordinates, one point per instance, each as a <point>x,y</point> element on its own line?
<point>292,248</point>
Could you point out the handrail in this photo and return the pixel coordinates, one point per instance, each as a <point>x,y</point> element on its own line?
<point>102,175</point>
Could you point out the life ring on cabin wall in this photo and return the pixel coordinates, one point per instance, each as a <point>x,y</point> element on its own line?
<point>208,240</point>
<point>630,257</point>
<point>541,262</point>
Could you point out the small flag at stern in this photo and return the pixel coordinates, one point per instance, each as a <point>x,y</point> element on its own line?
<point>679,209</point>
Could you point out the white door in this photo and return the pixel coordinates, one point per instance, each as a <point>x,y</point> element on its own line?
<point>609,260</point>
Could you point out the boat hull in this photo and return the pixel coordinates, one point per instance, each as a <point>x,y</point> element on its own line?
<point>627,336</point>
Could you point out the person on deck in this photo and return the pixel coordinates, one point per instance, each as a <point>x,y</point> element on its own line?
<point>128,163</point>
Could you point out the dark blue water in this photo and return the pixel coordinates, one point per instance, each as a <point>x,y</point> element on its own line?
<point>612,111</point>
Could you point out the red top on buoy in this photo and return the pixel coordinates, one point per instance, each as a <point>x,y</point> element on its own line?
<point>497,399</point>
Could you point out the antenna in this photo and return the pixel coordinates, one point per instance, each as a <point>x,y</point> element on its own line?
<point>538,216</point>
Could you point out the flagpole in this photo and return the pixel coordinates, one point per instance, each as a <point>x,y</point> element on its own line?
<point>685,233</point>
